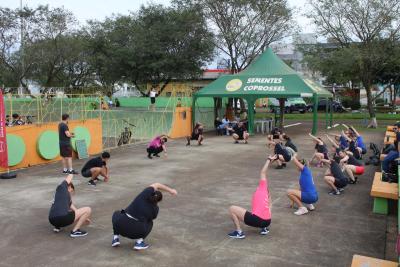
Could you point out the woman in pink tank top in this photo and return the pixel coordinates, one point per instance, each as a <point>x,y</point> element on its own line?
<point>260,215</point>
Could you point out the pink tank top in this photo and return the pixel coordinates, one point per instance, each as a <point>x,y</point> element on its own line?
<point>260,203</point>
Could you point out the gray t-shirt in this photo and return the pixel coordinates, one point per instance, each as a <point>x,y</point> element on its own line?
<point>62,201</point>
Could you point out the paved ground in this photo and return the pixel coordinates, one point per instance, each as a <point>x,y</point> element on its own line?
<point>191,228</point>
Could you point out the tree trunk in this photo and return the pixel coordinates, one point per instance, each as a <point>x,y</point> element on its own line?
<point>282,113</point>
<point>373,123</point>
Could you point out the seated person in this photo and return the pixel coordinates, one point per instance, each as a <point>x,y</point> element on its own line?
<point>95,167</point>
<point>16,120</point>
<point>351,165</point>
<point>156,146</point>
<point>197,134</point>
<point>224,125</point>
<point>240,133</point>
<point>260,215</point>
<point>390,158</point>
<point>308,193</point>
<point>335,178</point>
<point>321,151</point>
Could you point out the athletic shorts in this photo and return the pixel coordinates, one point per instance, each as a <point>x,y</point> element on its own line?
<point>286,157</point>
<point>194,137</point>
<point>66,151</point>
<point>255,221</point>
<point>240,136</point>
<point>359,170</point>
<point>276,136</point>
<point>130,228</point>
<point>152,100</point>
<point>340,183</point>
<point>86,173</point>
<point>62,221</point>
<point>309,198</point>
<point>326,156</point>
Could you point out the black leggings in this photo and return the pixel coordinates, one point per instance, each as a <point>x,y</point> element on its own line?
<point>154,150</point>
<point>130,228</point>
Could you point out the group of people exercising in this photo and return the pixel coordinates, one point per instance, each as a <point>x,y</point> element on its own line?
<point>136,220</point>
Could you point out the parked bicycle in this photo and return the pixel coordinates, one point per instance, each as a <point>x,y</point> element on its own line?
<point>126,134</point>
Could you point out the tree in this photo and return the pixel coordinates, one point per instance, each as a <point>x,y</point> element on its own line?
<point>244,29</point>
<point>155,44</point>
<point>358,27</point>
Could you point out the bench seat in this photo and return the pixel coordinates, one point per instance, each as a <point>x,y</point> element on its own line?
<point>382,191</point>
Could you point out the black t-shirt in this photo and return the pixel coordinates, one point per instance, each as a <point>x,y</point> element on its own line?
<point>94,162</point>
<point>62,201</point>
<point>321,148</point>
<point>62,128</point>
<point>396,141</point>
<point>239,130</point>
<point>353,161</point>
<point>290,144</point>
<point>337,172</point>
<point>141,208</point>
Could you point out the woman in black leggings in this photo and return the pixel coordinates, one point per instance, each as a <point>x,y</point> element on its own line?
<point>136,221</point>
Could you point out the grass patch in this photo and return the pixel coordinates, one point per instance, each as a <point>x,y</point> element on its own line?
<point>336,116</point>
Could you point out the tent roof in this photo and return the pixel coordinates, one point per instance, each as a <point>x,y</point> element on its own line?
<point>268,76</point>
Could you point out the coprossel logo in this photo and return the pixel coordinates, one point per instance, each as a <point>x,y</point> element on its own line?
<point>233,85</point>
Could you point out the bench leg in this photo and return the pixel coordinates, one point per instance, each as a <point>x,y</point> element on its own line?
<point>380,206</point>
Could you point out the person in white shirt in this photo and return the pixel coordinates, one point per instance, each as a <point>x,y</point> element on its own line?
<point>153,94</point>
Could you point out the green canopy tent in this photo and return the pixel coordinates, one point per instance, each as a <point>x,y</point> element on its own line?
<point>267,76</point>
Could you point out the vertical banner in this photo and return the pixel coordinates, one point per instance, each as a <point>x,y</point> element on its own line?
<point>3,138</point>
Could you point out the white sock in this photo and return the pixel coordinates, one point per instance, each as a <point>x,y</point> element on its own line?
<point>71,170</point>
<point>65,169</point>
<point>239,231</point>
<point>115,237</point>
<point>140,240</point>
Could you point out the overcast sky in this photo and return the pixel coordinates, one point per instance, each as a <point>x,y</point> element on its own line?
<point>99,9</point>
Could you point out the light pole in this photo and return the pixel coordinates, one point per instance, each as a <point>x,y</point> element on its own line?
<point>22,51</point>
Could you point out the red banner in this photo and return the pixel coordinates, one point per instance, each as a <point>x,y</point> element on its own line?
<point>3,138</point>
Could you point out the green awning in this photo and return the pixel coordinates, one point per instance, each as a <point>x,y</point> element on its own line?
<point>268,76</point>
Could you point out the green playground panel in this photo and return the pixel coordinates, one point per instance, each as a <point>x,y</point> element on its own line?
<point>380,206</point>
<point>81,133</point>
<point>48,145</point>
<point>16,149</point>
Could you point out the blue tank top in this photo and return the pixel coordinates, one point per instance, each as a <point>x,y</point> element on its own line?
<point>306,181</point>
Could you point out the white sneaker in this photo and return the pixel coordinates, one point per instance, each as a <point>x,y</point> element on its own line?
<point>310,207</point>
<point>301,211</point>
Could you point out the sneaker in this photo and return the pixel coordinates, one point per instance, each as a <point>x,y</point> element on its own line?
<point>264,231</point>
<point>115,242</point>
<point>236,234</point>
<point>236,142</point>
<point>56,229</point>
<point>301,211</point>
<point>156,155</point>
<point>78,233</point>
<point>140,246</point>
<point>310,207</point>
<point>333,192</point>
<point>92,183</point>
<point>352,182</point>
<point>149,156</point>
<point>284,165</point>
<point>72,172</point>
<point>65,172</point>
<point>279,167</point>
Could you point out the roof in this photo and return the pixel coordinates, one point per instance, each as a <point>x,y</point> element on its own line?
<point>268,76</point>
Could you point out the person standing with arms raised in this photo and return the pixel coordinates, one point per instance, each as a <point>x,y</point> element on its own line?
<point>65,145</point>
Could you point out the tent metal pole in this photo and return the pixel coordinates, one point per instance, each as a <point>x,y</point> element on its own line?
<point>315,114</point>
<point>194,110</point>
<point>331,114</point>
<point>327,108</point>
<point>250,110</point>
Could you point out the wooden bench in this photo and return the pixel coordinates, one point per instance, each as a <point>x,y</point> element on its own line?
<point>382,192</point>
<point>363,261</point>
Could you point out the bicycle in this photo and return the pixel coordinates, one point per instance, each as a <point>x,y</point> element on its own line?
<point>126,134</point>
